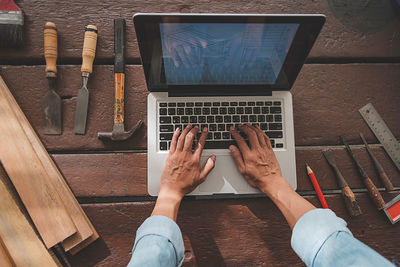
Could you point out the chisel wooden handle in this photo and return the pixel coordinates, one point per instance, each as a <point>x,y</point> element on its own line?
<point>382,174</point>
<point>350,200</point>
<point>50,48</point>
<point>374,194</point>
<point>386,182</point>
<point>89,48</point>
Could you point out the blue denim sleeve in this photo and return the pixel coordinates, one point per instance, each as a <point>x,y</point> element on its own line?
<point>158,243</point>
<point>320,238</point>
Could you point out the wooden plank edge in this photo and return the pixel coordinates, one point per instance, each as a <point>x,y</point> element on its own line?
<point>84,227</point>
<point>5,258</point>
<point>84,244</point>
<point>19,237</point>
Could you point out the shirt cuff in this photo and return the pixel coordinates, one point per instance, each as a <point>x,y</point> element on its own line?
<point>312,230</point>
<point>163,226</point>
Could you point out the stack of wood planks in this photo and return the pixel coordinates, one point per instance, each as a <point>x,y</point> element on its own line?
<point>56,214</point>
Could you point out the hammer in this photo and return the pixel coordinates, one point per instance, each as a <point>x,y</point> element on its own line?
<point>118,133</point>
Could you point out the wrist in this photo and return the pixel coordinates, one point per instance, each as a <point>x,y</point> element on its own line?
<point>167,204</point>
<point>274,186</point>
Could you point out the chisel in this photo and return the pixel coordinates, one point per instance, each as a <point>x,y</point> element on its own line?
<point>52,102</point>
<point>88,54</point>
<point>372,190</point>
<point>349,198</point>
<point>382,174</point>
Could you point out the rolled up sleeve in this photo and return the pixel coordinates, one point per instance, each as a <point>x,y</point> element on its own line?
<point>320,238</point>
<point>158,243</point>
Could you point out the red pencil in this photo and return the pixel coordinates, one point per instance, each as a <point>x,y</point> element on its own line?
<point>316,187</point>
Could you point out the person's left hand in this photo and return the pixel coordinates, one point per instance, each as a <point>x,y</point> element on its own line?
<point>182,173</point>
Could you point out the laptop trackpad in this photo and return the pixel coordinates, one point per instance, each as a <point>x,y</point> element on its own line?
<point>224,178</point>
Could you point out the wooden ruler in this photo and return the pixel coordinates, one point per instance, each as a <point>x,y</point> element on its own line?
<point>19,240</point>
<point>85,230</point>
<point>382,132</point>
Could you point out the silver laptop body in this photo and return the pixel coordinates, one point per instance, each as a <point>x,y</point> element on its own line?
<point>176,91</point>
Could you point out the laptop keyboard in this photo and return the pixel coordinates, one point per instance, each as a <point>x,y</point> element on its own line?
<point>218,118</point>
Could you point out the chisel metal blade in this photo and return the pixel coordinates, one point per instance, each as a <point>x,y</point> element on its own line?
<point>81,111</point>
<point>52,114</point>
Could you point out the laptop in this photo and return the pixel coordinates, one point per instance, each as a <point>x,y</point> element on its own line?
<point>218,70</point>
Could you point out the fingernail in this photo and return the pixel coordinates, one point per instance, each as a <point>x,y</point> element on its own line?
<point>213,157</point>
<point>232,148</point>
<point>177,129</point>
<point>232,128</point>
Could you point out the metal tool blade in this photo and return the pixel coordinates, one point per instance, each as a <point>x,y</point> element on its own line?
<point>81,111</point>
<point>52,112</point>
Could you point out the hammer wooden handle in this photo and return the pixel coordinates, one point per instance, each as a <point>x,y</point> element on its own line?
<point>89,48</point>
<point>50,48</point>
<point>119,68</point>
<point>350,200</point>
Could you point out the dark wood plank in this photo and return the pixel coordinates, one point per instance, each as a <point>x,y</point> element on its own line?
<point>326,101</point>
<point>353,29</point>
<point>255,226</point>
<point>123,175</point>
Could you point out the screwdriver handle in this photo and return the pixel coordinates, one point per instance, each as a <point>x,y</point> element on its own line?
<point>89,48</point>
<point>50,48</point>
<point>350,200</point>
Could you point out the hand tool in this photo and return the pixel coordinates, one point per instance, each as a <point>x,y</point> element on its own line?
<point>316,187</point>
<point>88,54</point>
<point>382,132</point>
<point>11,24</point>
<point>118,133</point>
<point>52,102</point>
<point>86,233</point>
<point>392,210</point>
<point>372,190</point>
<point>382,174</point>
<point>349,198</point>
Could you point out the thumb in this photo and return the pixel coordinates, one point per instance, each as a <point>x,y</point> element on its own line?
<point>208,167</point>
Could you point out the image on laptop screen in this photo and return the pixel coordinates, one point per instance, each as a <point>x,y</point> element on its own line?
<point>224,53</point>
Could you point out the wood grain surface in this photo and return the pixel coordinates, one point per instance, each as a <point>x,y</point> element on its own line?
<point>94,175</point>
<point>355,61</point>
<point>242,232</point>
<point>83,226</point>
<point>30,179</point>
<point>337,90</point>
<point>353,29</point>
<point>19,238</point>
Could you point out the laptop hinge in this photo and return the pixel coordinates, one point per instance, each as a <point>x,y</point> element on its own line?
<point>188,93</point>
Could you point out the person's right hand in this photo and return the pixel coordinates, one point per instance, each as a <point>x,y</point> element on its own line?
<point>256,163</point>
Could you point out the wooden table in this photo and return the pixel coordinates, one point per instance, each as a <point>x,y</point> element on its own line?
<point>356,60</point>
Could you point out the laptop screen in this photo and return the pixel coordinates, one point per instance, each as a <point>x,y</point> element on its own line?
<point>223,53</point>
<point>207,54</point>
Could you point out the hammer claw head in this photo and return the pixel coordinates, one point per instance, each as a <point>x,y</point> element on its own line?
<point>118,133</point>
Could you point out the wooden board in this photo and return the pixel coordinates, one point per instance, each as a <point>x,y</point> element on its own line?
<point>79,218</point>
<point>5,259</point>
<point>326,99</point>
<point>19,238</point>
<point>353,29</point>
<point>242,232</point>
<point>31,180</point>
